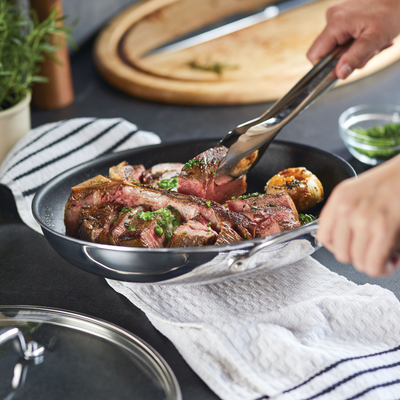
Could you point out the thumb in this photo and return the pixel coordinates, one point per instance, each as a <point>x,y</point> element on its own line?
<point>358,54</point>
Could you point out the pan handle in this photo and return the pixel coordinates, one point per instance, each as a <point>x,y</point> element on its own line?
<point>308,231</point>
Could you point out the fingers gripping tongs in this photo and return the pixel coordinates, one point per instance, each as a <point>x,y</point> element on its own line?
<point>248,141</point>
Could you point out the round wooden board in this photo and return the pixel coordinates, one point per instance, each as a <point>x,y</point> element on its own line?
<point>261,63</point>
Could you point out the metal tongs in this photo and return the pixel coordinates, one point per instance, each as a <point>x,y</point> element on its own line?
<point>248,141</point>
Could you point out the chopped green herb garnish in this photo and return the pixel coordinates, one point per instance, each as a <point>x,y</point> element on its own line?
<point>192,163</point>
<point>306,218</point>
<point>169,184</point>
<point>245,235</point>
<point>168,219</point>
<point>213,173</point>
<point>127,223</point>
<point>101,180</point>
<point>208,203</point>
<point>158,230</point>
<point>383,137</point>
<point>246,196</point>
<point>226,205</point>
<point>114,219</point>
<point>125,210</point>
<point>209,223</point>
<point>132,228</point>
<point>184,232</point>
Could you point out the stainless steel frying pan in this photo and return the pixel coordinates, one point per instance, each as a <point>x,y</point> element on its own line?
<point>156,265</point>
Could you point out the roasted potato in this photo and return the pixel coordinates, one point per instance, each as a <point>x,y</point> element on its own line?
<point>302,185</point>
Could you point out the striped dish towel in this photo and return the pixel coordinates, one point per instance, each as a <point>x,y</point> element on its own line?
<point>55,147</point>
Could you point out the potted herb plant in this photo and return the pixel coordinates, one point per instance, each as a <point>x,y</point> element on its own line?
<point>24,42</point>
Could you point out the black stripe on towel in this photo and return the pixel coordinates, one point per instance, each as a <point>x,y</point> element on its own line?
<point>349,378</point>
<point>126,137</point>
<point>332,366</point>
<point>370,389</point>
<point>60,157</point>
<point>119,143</point>
<point>75,131</point>
<point>36,139</point>
<point>32,191</point>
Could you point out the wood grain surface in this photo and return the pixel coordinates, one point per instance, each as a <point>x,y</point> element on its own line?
<point>259,63</point>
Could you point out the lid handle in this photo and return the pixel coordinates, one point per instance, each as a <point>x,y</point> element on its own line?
<point>30,352</point>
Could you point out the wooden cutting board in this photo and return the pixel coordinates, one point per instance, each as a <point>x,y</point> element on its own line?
<point>259,63</point>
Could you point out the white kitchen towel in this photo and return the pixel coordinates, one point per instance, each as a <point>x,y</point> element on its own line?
<point>297,332</point>
<point>53,148</point>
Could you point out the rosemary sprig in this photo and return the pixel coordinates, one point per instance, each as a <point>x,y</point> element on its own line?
<point>217,67</point>
<point>24,41</point>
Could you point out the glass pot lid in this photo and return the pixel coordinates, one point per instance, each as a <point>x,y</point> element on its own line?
<point>55,354</point>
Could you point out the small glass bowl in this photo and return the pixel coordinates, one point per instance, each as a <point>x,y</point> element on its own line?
<point>367,149</point>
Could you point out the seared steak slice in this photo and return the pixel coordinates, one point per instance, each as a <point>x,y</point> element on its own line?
<point>144,235</point>
<point>95,219</point>
<point>139,227</point>
<point>188,206</point>
<point>272,220</point>
<point>88,193</point>
<point>227,235</point>
<point>129,195</point>
<point>119,225</point>
<point>126,172</point>
<point>161,176</point>
<point>196,232</point>
<point>198,177</point>
<point>261,201</point>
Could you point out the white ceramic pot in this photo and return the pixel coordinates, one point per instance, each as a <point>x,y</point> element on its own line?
<point>15,122</point>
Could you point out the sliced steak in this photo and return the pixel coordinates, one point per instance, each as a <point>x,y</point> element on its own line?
<point>188,206</point>
<point>95,219</point>
<point>272,220</point>
<point>163,176</point>
<point>261,201</point>
<point>88,193</point>
<point>126,172</point>
<point>227,235</point>
<point>198,177</point>
<point>196,232</point>
<point>129,194</point>
<point>120,224</point>
<point>144,235</point>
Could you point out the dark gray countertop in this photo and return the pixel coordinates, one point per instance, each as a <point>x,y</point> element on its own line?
<point>31,273</point>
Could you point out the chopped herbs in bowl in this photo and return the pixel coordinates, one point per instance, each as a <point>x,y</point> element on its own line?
<point>371,132</point>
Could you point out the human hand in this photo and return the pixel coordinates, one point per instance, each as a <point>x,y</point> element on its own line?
<point>360,223</point>
<point>373,24</point>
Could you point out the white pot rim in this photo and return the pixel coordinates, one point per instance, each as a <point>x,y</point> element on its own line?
<point>16,107</point>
